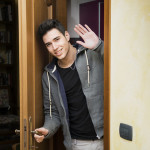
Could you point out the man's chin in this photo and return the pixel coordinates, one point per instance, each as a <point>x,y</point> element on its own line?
<point>60,57</point>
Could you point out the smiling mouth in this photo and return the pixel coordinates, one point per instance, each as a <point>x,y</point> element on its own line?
<point>58,52</point>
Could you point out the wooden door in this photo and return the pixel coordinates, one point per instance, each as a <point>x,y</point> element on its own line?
<point>32,59</point>
<point>60,11</point>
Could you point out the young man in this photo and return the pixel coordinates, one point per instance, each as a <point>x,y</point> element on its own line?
<point>73,87</point>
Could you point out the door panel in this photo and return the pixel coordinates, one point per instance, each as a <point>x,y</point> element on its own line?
<point>60,11</point>
<point>32,59</point>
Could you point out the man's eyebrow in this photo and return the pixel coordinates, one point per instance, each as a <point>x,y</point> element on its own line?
<point>53,39</point>
<point>47,43</point>
<point>56,37</point>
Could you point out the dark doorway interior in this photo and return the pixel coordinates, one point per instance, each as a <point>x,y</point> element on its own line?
<point>9,76</point>
<point>92,14</point>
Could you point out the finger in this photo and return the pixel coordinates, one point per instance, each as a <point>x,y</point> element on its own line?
<point>81,43</point>
<point>89,29</point>
<point>83,28</point>
<point>79,33</point>
<point>39,131</point>
<point>80,29</point>
<point>38,138</point>
<point>41,139</point>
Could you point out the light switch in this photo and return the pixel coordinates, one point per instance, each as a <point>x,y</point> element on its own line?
<point>126,131</point>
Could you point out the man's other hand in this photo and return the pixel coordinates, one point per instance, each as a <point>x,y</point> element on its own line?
<point>40,134</point>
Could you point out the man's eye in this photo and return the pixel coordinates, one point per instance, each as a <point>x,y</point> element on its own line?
<point>57,39</point>
<point>47,45</point>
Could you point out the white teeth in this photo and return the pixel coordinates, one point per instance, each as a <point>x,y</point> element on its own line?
<point>58,52</point>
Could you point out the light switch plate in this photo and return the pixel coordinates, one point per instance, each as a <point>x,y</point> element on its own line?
<point>126,131</point>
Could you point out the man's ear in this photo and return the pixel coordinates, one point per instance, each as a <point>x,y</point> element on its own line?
<point>67,35</point>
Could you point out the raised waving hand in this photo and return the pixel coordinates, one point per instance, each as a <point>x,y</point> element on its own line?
<point>89,37</point>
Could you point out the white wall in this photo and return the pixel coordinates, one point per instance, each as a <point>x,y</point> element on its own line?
<point>130,73</point>
<point>73,15</point>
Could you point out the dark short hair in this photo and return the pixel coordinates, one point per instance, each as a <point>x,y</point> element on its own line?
<point>49,25</point>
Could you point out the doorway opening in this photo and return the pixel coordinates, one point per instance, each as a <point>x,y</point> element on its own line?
<point>90,12</point>
<point>13,100</point>
<point>9,75</point>
<point>96,14</point>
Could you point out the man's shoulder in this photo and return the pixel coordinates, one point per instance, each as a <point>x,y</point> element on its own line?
<point>44,75</point>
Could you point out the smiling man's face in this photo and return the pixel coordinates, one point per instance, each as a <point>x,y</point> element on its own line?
<point>57,43</point>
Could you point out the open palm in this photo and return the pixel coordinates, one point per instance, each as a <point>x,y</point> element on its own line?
<point>89,37</point>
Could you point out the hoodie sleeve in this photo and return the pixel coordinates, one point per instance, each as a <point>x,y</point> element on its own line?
<point>51,123</point>
<point>100,49</point>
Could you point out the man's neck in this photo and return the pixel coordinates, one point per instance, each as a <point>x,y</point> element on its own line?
<point>69,59</point>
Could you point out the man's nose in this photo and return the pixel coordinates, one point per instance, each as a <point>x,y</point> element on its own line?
<point>55,46</point>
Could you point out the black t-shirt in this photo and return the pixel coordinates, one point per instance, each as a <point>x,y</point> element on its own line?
<point>81,126</point>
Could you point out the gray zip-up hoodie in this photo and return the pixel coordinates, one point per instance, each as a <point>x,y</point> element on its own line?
<point>90,67</point>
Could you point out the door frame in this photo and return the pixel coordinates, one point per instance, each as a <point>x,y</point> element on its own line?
<point>107,72</point>
<point>23,66</point>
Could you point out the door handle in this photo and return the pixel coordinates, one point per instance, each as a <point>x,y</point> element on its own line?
<point>30,135</point>
<point>25,134</point>
<point>17,132</point>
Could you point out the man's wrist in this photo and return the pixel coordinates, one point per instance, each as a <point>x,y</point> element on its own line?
<point>46,136</point>
<point>99,42</point>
